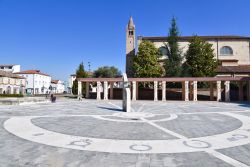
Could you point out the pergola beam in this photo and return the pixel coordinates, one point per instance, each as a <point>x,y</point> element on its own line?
<point>189,86</point>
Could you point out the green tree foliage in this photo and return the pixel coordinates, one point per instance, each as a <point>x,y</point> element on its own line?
<point>107,72</point>
<point>145,63</point>
<point>80,73</point>
<point>200,59</point>
<point>173,65</point>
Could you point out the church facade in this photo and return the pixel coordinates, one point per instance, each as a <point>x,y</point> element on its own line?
<point>232,52</point>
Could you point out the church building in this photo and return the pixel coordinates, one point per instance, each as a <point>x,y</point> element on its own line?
<point>233,52</point>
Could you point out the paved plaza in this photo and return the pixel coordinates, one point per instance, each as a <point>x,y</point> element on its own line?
<point>92,133</point>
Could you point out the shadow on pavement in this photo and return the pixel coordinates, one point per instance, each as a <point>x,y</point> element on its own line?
<point>112,109</point>
<point>240,104</point>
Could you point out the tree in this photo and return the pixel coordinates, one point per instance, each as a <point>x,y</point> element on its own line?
<point>107,72</point>
<point>173,65</point>
<point>145,63</point>
<point>200,58</point>
<point>80,73</point>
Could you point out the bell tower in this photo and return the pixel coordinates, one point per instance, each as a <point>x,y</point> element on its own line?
<point>130,46</point>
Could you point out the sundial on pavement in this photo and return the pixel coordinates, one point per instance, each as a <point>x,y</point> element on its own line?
<point>25,128</point>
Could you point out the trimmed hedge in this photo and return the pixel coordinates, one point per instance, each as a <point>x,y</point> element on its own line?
<point>11,95</point>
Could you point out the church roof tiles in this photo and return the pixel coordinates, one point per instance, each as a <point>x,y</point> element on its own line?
<point>187,38</point>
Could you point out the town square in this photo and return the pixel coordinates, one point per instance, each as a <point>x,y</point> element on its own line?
<point>98,134</point>
<point>124,84</point>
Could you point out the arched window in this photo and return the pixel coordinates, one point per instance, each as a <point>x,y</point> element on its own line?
<point>131,32</point>
<point>163,51</point>
<point>226,50</point>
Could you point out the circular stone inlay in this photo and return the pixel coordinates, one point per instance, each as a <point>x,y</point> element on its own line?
<point>140,147</point>
<point>22,127</point>
<point>197,144</point>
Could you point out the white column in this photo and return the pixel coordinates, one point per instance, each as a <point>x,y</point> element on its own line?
<point>105,97</point>
<point>218,84</point>
<point>87,90</point>
<point>227,90</point>
<point>186,90</point>
<point>134,90</point>
<point>79,89</point>
<point>163,84</point>
<point>194,90</point>
<point>98,91</point>
<point>155,90</point>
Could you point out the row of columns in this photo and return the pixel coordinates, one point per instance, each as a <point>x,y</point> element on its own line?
<point>98,90</point>
<point>189,90</point>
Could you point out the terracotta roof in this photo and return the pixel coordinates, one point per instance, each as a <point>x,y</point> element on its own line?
<point>54,81</point>
<point>9,74</point>
<point>32,72</point>
<point>234,69</point>
<point>187,38</point>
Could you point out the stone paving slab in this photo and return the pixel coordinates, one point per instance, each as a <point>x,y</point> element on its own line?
<point>245,113</point>
<point>241,153</point>
<point>193,120</point>
<point>198,125</point>
<point>91,127</point>
<point>18,152</point>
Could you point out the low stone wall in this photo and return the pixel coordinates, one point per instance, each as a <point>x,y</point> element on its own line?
<point>24,100</point>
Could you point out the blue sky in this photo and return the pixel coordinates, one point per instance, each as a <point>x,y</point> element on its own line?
<point>56,35</point>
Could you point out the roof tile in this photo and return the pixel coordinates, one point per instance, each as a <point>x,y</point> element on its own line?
<point>32,72</point>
